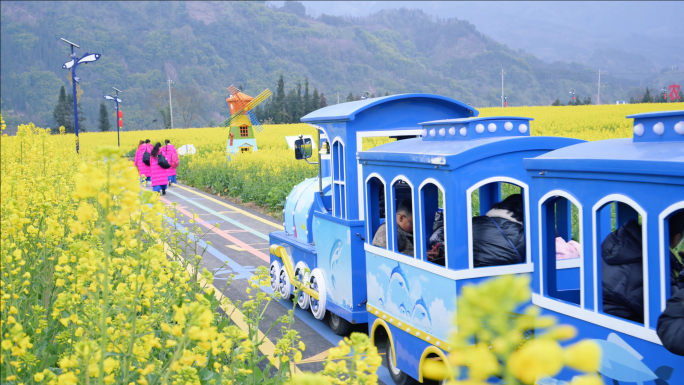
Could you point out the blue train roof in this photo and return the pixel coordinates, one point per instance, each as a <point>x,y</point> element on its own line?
<point>349,111</point>
<point>454,154</point>
<point>615,156</point>
<point>656,148</point>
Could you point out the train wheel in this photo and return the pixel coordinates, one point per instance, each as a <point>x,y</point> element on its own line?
<point>274,272</point>
<point>318,285</point>
<point>399,377</point>
<point>339,325</point>
<point>301,274</point>
<point>284,282</point>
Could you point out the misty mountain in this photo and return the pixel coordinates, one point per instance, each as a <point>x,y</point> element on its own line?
<point>206,46</point>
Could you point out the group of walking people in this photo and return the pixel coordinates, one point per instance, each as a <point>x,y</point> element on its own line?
<point>157,164</point>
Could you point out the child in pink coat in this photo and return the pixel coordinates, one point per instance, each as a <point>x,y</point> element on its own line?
<point>159,175</point>
<point>143,169</point>
<point>169,151</point>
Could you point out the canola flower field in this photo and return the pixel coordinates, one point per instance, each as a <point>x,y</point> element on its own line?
<point>95,288</point>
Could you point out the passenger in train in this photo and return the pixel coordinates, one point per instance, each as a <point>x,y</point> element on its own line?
<point>671,324</point>
<point>435,252</point>
<point>499,235</point>
<point>622,268</point>
<point>404,229</point>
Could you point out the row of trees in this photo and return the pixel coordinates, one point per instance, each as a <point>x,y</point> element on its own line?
<point>652,96</point>
<point>289,107</point>
<point>63,114</point>
<point>577,102</point>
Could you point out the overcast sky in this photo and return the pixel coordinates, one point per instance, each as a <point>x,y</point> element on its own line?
<point>553,30</point>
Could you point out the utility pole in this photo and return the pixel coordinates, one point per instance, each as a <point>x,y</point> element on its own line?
<point>598,102</point>
<point>502,87</point>
<point>338,97</point>
<point>170,104</point>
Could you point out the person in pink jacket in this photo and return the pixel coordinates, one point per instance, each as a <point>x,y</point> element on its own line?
<point>169,151</point>
<point>160,178</point>
<point>143,169</point>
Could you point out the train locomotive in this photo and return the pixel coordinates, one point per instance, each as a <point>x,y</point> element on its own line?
<point>452,165</point>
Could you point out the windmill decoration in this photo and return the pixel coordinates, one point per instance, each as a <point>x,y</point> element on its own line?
<point>242,121</point>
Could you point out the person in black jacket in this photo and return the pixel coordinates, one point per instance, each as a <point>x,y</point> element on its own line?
<point>671,324</point>
<point>499,235</point>
<point>622,268</point>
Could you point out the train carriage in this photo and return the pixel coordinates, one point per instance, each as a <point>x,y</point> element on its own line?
<point>592,189</point>
<point>457,166</point>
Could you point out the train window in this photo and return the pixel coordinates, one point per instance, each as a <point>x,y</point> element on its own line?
<point>377,228</point>
<point>338,166</point>
<point>433,230</point>
<point>673,244</point>
<point>562,264</point>
<point>497,232</point>
<point>619,237</point>
<point>404,236</point>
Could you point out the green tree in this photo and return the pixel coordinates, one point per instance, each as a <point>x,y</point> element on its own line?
<point>279,102</point>
<point>103,123</point>
<point>557,102</point>
<point>59,113</point>
<point>308,107</point>
<point>587,100</point>
<point>315,100</point>
<point>350,97</point>
<point>647,96</point>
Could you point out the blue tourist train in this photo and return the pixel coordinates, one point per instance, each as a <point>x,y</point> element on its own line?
<point>435,157</point>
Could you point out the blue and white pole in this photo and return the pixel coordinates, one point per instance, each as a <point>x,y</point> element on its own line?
<point>72,64</point>
<point>117,100</point>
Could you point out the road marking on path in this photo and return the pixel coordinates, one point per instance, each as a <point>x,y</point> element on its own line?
<point>253,251</point>
<point>266,221</point>
<point>225,218</point>
<point>305,316</point>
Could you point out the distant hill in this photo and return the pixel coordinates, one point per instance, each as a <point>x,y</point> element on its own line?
<point>207,46</point>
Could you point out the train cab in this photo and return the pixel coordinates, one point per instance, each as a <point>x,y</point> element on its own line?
<point>324,217</point>
<point>427,202</point>
<point>616,199</point>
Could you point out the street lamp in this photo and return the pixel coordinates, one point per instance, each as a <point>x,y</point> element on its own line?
<point>572,92</point>
<point>72,64</point>
<point>119,122</point>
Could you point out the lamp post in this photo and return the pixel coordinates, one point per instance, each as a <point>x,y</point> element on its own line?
<point>72,64</point>
<point>119,122</point>
<point>572,92</point>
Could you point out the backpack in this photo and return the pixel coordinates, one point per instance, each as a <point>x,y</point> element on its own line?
<point>146,157</point>
<point>162,162</point>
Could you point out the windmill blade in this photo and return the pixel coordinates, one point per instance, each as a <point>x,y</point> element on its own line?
<point>255,122</point>
<point>233,90</point>
<point>108,97</point>
<point>260,98</point>
<point>233,118</point>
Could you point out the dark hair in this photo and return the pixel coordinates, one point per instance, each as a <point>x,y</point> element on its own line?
<point>155,150</point>
<point>514,204</point>
<point>141,142</point>
<point>405,207</point>
<point>167,141</point>
<point>676,223</point>
<point>147,141</point>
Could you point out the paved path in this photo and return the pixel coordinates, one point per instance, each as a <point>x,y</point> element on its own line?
<point>241,245</point>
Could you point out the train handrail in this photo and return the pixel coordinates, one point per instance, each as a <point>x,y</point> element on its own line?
<point>281,253</point>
